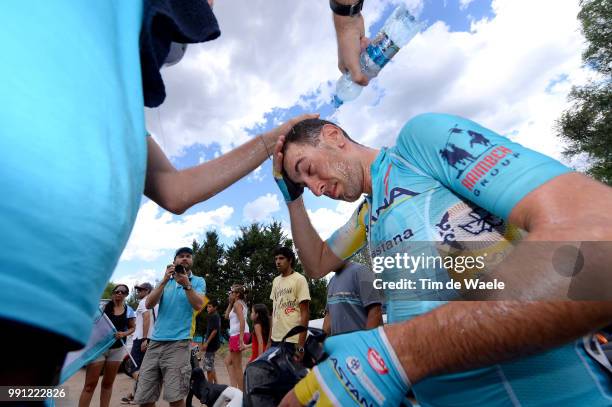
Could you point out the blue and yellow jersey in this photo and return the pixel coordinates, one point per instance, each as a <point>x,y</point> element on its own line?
<point>447,188</point>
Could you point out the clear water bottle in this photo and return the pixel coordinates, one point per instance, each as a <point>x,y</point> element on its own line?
<point>399,28</point>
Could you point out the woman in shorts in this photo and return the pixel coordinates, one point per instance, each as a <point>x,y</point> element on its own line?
<point>123,318</point>
<point>236,312</point>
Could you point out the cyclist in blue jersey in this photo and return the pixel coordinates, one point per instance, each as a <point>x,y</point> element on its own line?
<point>450,181</point>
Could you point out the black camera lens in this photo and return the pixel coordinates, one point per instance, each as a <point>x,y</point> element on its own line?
<point>179,269</point>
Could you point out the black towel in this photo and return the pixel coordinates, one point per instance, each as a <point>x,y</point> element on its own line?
<point>166,21</point>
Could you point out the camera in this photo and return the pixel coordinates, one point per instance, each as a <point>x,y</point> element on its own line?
<point>179,269</point>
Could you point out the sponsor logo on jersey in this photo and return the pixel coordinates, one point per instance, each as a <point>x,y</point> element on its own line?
<point>353,365</point>
<point>377,362</point>
<point>483,221</point>
<point>349,386</point>
<point>485,166</point>
<point>395,194</point>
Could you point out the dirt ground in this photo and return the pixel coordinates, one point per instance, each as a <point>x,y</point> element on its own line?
<point>123,384</point>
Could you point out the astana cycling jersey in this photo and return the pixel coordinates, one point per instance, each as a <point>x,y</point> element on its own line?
<point>450,184</point>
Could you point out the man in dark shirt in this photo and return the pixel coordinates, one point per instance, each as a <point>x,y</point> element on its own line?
<point>211,344</point>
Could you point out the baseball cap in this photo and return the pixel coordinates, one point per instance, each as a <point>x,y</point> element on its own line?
<point>183,250</point>
<point>144,286</point>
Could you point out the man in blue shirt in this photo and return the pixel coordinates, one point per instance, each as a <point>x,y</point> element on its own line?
<point>77,159</point>
<point>181,296</point>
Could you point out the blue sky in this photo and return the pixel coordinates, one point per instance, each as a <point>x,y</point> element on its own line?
<point>508,64</point>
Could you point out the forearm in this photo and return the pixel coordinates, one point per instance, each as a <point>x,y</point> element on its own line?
<point>178,190</point>
<point>374,317</point>
<point>195,299</point>
<point>304,318</point>
<point>146,323</point>
<point>475,334</point>
<point>316,257</point>
<point>155,295</point>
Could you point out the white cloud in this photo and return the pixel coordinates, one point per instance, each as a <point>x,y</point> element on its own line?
<point>257,175</point>
<point>261,208</point>
<point>326,221</point>
<point>463,4</point>
<point>498,74</point>
<point>143,276</point>
<point>157,231</point>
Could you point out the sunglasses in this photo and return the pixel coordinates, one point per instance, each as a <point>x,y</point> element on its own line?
<point>120,292</point>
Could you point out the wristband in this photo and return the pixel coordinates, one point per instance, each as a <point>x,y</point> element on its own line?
<point>347,10</point>
<point>290,190</point>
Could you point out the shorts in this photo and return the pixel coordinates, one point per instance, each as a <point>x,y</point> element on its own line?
<point>167,362</point>
<point>137,354</point>
<point>112,355</point>
<point>209,362</point>
<point>234,341</point>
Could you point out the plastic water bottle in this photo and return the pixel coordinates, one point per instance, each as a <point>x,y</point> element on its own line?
<point>399,28</point>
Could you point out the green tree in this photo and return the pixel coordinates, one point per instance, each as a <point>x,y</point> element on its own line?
<point>207,262</point>
<point>108,291</point>
<point>587,125</point>
<point>132,300</point>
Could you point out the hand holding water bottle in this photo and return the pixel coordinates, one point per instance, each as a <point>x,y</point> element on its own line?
<point>399,28</point>
<point>350,33</point>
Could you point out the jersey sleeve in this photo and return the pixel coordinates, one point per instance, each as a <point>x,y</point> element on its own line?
<point>474,162</point>
<point>352,236</point>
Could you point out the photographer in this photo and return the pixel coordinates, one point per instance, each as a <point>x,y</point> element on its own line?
<point>180,296</point>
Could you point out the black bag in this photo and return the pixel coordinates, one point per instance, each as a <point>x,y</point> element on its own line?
<point>271,376</point>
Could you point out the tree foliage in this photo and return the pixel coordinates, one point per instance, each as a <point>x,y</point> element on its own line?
<point>248,261</point>
<point>108,291</point>
<point>587,124</point>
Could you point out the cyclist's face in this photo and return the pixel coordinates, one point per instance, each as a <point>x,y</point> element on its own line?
<point>326,169</point>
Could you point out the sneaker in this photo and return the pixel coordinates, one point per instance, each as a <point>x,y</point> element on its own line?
<point>127,400</point>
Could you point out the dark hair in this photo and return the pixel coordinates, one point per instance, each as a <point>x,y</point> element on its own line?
<point>214,303</point>
<point>262,317</point>
<point>308,132</point>
<point>287,252</point>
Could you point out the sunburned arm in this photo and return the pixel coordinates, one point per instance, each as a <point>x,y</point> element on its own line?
<point>304,318</point>
<point>327,324</point>
<point>569,208</point>
<point>177,190</point>
<point>475,334</point>
<point>316,256</point>
<point>146,323</point>
<point>374,316</point>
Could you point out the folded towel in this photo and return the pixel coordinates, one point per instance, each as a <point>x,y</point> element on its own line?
<point>164,22</point>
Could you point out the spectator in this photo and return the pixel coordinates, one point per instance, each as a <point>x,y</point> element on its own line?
<point>122,316</point>
<point>353,304</point>
<point>180,296</point>
<point>211,345</point>
<point>145,321</point>
<point>239,334</point>
<point>261,330</point>
<point>290,301</point>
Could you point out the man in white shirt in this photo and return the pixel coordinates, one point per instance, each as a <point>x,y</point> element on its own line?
<point>145,321</point>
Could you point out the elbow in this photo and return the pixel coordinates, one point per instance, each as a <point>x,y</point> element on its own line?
<point>315,273</point>
<point>174,205</point>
